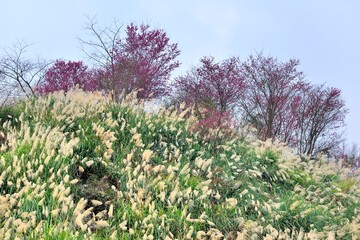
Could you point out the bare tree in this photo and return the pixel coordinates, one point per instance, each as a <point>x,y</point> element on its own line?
<point>102,46</point>
<point>19,74</point>
<point>8,91</point>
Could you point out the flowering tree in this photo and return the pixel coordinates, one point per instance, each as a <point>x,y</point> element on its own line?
<point>212,85</point>
<point>270,87</point>
<point>319,113</point>
<point>215,125</point>
<point>214,89</point>
<point>66,75</point>
<point>142,60</point>
<point>152,50</point>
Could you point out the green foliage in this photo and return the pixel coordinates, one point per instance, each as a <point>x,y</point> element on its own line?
<point>347,184</point>
<point>11,114</point>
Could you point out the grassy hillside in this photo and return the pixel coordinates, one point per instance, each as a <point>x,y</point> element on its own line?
<point>81,167</point>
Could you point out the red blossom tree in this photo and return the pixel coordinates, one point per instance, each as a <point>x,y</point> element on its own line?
<point>271,95</point>
<point>131,75</point>
<point>142,60</point>
<point>212,85</point>
<point>66,75</point>
<point>214,89</point>
<point>319,114</point>
<point>281,105</point>
<point>271,87</point>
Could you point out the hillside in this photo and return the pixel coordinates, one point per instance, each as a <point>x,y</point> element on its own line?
<point>78,166</point>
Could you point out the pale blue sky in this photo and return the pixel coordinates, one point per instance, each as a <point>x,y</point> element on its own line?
<point>324,35</point>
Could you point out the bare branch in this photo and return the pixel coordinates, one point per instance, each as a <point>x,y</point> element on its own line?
<point>19,71</point>
<point>101,49</point>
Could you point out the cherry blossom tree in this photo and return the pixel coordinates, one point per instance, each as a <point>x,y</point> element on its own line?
<point>142,60</point>
<point>66,75</point>
<point>215,85</point>
<point>319,114</point>
<point>270,87</point>
<point>214,89</point>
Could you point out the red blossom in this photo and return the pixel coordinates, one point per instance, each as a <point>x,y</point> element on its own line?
<point>212,85</point>
<point>66,75</point>
<point>143,61</point>
<point>270,94</point>
<point>319,114</point>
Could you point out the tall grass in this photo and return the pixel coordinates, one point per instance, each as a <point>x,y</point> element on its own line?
<point>77,166</point>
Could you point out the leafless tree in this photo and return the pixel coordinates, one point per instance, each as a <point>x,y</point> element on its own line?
<point>102,46</point>
<point>19,74</point>
<point>103,43</point>
<point>8,91</point>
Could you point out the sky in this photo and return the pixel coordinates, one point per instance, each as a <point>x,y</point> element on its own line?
<point>324,35</point>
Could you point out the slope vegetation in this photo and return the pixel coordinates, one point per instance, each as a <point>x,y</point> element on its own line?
<point>78,166</point>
